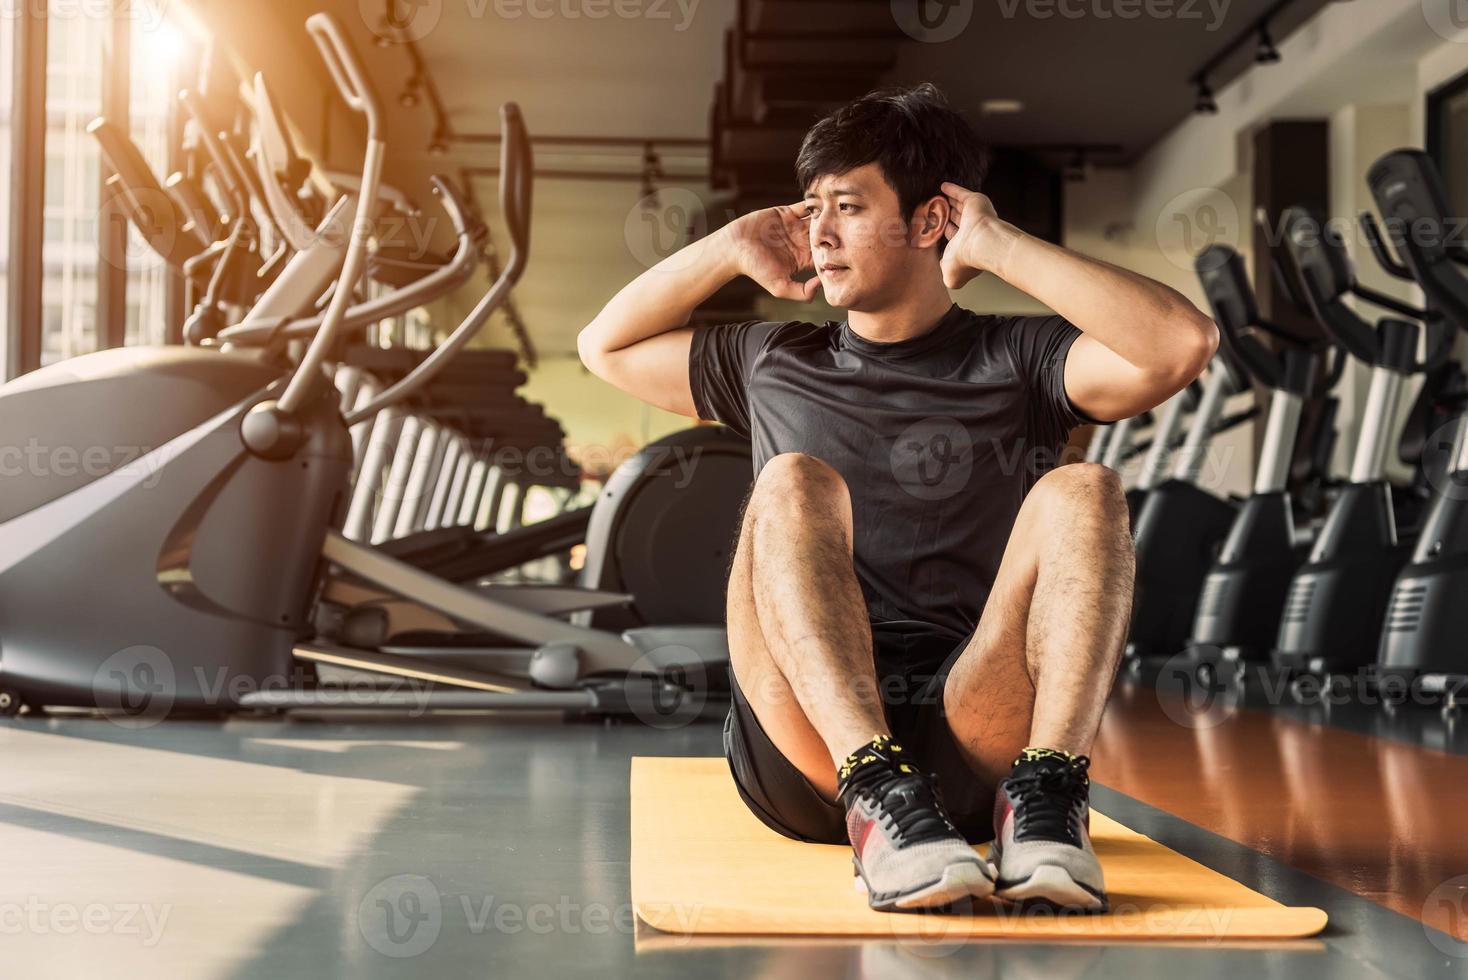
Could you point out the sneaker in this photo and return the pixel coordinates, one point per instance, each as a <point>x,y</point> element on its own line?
<point>1042,844</point>
<point>907,853</point>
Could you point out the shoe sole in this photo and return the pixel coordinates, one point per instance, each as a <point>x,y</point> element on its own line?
<point>960,881</point>
<point>1052,885</point>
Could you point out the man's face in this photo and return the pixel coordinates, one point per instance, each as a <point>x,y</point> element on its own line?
<point>859,241</point>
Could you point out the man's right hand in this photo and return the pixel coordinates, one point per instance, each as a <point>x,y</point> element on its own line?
<point>772,246</point>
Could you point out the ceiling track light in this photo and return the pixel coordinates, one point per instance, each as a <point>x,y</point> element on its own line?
<point>1256,37</point>
<point>1266,53</point>
<point>1205,105</point>
<point>439,145</point>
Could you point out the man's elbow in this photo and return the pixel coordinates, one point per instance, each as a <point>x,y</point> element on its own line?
<point>592,352</point>
<point>1196,343</point>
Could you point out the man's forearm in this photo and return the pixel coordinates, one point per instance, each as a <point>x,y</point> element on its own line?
<point>1146,323</point>
<point>662,298</point>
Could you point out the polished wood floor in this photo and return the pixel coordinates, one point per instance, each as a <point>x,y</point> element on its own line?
<point>1382,818</point>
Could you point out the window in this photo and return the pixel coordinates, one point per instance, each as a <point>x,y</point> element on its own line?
<point>7,44</point>
<point>75,36</point>
<point>155,75</point>
<point>1447,138</point>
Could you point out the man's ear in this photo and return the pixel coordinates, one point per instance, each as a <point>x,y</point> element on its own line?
<point>929,221</point>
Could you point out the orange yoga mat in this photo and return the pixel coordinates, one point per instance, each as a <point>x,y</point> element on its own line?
<point>703,864</point>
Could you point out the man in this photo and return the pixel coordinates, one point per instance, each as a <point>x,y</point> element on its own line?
<point>925,613</point>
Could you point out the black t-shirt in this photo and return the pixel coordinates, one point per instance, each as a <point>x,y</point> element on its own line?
<point>939,437</point>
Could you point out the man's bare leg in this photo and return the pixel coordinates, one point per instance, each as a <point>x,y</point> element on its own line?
<point>799,639</point>
<point>801,649</point>
<point>1040,667</point>
<point>1038,673</point>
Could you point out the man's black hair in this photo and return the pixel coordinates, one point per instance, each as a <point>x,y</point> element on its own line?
<point>914,134</point>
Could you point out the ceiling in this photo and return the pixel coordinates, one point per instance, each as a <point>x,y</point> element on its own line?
<point>1082,80</point>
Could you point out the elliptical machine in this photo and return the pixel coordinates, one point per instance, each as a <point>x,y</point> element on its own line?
<point>201,545</point>
<point>1243,596</point>
<point>1337,600</point>
<point>1178,530</point>
<point>1424,641</point>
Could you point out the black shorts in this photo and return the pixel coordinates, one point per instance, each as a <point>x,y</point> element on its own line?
<point>913,660</point>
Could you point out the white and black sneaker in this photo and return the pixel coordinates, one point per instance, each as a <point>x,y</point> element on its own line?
<point>907,853</point>
<point>1042,842</point>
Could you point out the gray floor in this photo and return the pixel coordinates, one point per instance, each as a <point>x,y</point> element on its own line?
<point>469,846</point>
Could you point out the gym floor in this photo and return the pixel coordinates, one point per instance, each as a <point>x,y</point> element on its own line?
<point>278,848</point>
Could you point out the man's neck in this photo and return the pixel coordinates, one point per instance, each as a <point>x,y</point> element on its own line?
<point>911,316</point>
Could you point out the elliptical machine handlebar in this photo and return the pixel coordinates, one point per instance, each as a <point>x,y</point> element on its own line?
<point>1221,271</point>
<point>1408,189</point>
<point>276,156</point>
<point>1384,257</point>
<point>516,185</point>
<point>347,72</point>
<point>1325,273</point>
<point>159,219</point>
<point>272,429</point>
<point>439,282</point>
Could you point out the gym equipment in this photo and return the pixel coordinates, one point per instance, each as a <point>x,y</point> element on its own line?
<point>202,557</point>
<point>1337,600</point>
<point>1178,530</point>
<point>1243,596</point>
<point>1422,641</point>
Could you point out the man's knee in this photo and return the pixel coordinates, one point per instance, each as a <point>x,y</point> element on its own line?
<point>796,479</point>
<point>1088,488</point>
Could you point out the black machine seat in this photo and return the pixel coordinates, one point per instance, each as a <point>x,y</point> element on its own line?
<point>664,529</point>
